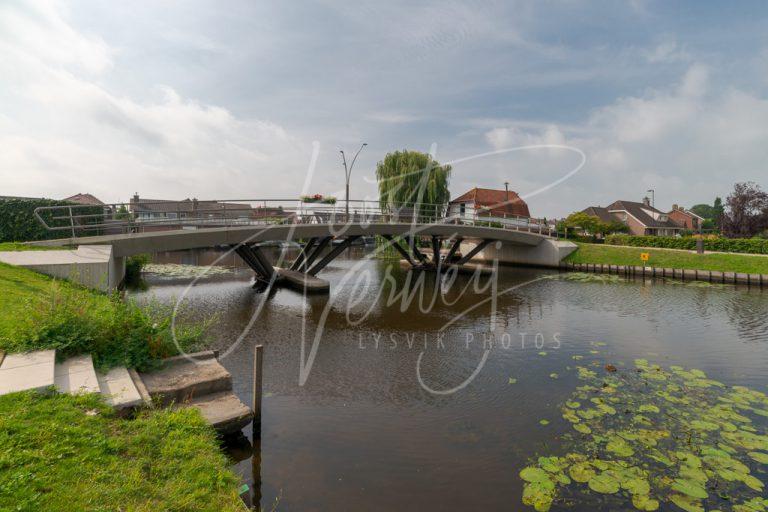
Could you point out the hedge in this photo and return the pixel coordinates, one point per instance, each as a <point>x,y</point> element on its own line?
<point>738,245</point>
<point>18,222</point>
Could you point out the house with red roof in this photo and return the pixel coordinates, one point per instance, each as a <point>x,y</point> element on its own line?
<point>487,204</point>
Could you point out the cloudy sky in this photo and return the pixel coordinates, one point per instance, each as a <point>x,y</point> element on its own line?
<point>226,99</point>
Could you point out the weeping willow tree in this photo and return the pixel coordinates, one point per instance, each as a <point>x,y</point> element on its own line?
<point>412,183</point>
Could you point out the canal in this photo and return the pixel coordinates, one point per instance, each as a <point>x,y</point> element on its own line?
<point>425,394</point>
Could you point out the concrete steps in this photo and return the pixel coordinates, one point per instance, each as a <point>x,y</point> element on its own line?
<point>224,411</point>
<point>200,382</point>
<point>184,378</point>
<point>76,375</point>
<point>118,389</point>
<point>29,371</point>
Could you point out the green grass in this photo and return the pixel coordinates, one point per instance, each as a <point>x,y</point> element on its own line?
<point>37,312</point>
<point>68,453</point>
<point>18,246</point>
<point>612,255</point>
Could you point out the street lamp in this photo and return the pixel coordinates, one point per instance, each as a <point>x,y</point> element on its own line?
<point>348,172</point>
<point>506,197</point>
<point>653,197</point>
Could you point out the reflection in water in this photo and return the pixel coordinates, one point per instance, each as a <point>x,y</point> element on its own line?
<point>363,434</point>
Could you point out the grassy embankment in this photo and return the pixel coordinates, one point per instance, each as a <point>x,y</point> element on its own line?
<point>60,452</point>
<point>667,258</point>
<point>67,453</point>
<point>37,312</point>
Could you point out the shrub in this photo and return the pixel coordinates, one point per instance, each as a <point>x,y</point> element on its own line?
<point>737,245</point>
<point>116,333</point>
<point>133,266</point>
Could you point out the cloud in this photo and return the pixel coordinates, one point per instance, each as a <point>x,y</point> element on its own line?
<point>67,132</point>
<point>690,141</point>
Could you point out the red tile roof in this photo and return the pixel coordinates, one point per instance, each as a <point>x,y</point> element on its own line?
<point>499,202</point>
<point>86,199</point>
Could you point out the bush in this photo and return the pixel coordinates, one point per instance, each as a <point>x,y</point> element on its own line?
<point>116,333</point>
<point>133,266</point>
<point>18,222</point>
<point>737,245</point>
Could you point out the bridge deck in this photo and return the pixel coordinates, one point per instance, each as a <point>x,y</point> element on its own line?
<point>137,243</point>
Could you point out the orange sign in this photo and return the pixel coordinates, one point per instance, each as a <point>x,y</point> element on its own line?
<point>645,256</point>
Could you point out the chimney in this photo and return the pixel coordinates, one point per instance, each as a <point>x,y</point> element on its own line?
<point>674,207</point>
<point>647,201</point>
<point>135,198</point>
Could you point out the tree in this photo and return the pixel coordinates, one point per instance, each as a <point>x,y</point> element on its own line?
<point>593,225</point>
<point>410,179</point>
<point>717,212</point>
<point>705,211</point>
<point>746,211</point>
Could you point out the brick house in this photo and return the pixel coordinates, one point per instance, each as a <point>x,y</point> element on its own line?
<point>640,218</point>
<point>686,218</point>
<point>488,203</point>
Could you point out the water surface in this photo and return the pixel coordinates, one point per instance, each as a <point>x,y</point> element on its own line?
<point>363,433</point>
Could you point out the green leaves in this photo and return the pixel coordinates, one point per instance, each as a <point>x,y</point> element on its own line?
<point>657,437</point>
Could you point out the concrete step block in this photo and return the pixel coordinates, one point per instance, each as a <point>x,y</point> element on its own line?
<point>76,375</point>
<point>182,380</point>
<point>27,371</point>
<point>118,388</point>
<point>224,411</point>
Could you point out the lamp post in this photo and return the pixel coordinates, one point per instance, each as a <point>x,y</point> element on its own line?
<point>653,197</point>
<point>506,198</point>
<point>348,172</point>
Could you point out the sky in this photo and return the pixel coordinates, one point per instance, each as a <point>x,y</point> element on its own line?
<point>229,99</point>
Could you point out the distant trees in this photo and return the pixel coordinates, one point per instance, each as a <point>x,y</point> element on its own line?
<point>407,178</point>
<point>746,211</point>
<point>712,214</point>
<point>593,225</point>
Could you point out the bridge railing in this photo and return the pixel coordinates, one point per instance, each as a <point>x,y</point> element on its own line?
<point>156,215</point>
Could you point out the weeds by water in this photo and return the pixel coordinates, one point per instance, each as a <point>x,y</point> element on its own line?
<point>38,313</point>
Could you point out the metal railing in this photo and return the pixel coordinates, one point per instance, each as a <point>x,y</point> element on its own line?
<point>150,215</point>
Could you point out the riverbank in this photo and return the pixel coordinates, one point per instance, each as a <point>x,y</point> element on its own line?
<point>39,313</point>
<point>63,452</point>
<point>601,254</point>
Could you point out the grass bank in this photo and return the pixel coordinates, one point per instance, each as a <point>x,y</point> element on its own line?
<point>612,255</point>
<point>18,246</point>
<point>37,312</point>
<point>68,453</point>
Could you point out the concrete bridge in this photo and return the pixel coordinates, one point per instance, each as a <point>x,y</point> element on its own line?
<point>324,242</point>
<point>325,232</point>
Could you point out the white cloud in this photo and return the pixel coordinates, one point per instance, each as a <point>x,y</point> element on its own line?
<point>690,142</point>
<point>65,132</point>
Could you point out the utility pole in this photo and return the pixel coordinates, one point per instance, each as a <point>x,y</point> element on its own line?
<point>348,173</point>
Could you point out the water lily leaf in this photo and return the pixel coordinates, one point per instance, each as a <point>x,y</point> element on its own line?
<point>553,375</point>
<point>760,457</point>
<point>534,474</point>
<point>580,427</point>
<point>620,447</point>
<point>686,503</point>
<point>573,404</point>
<point>581,472</point>
<point>690,488</point>
<point>648,408</point>
<point>512,381</point>
<point>543,353</point>
<point>538,496</point>
<point>544,422</point>
<point>644,502</point>
<point>604,484</point>
<point>753,483</point>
